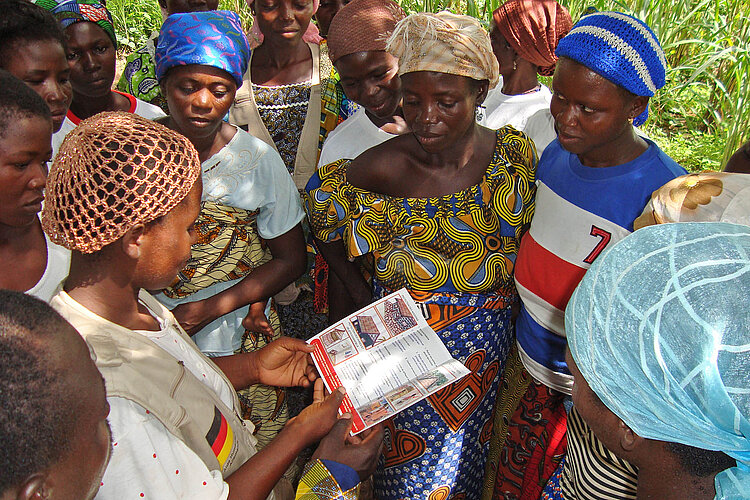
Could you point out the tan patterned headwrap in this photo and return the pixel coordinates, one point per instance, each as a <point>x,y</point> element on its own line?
<point>113,171</point>
<point>445,43</point>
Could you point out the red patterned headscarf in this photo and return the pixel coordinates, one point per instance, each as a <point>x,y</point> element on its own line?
<point>533,28</point>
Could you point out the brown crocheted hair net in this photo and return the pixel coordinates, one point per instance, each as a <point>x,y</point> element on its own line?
<point>113,171</point>
<point>362,25</point>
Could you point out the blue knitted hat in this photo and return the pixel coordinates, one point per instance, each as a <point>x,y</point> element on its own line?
<point>620,48</point>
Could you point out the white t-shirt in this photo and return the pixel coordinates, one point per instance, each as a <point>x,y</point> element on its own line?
<point>351,138</point>
<point>58,266</point>
<point>140,108</point>
<point>528,113</point>
<point>249,174</point>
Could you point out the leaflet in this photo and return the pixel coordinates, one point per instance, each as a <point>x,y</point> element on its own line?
<point>386,356</point>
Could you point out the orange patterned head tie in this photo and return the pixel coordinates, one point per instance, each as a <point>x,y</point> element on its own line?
<point>113,171</point>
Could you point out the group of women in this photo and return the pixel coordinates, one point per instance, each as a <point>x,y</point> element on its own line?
<point>422,152</point>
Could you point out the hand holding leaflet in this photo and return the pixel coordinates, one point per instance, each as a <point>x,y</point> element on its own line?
<point>386,356</point>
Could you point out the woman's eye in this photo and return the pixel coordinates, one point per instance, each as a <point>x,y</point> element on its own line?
<point>448,104</point>
<point>71,56</point>
<point>586,109</point>
<point>101,49</point>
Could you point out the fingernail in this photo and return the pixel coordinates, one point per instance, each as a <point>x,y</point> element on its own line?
<point>342,389</point>
<point>346,415</point>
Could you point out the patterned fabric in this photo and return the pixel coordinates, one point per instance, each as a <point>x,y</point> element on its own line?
<point>212,38</point>
<point>446,43</point>
<point>591,471</point>
<point>318,483</point>
<point>69,12</point>
<point>455,254</point>
<point>620,48</point>
<point>283,109</point>
<point>535,444</point>
<point>228,247</point>
<point>437,448</point>
<point>659,330</point>
<point>553,491</point>
<point>139,75</point>
<point>513,384</point>
<point>466,241</point>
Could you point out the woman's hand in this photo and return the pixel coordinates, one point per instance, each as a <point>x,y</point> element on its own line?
<point>315,421</point>
<point>194,316</point>
<point>285,362</point>
<point>360,452</point>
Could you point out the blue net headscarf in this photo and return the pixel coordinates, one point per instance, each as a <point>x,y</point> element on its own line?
<point>660,329</point>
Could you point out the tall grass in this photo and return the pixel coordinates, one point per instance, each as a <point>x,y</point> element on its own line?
<point>707,43</point>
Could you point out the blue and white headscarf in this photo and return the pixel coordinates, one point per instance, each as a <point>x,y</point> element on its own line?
<point>660,329</point>
<point>620,48</point>
<point>213,38</point>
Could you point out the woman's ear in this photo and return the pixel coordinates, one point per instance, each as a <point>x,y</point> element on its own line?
<point>133,240</point>
<point>638,106</point>
<point>482,89</point>
<point>629,440</point>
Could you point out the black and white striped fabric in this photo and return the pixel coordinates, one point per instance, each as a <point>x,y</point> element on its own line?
<point>592,472</point>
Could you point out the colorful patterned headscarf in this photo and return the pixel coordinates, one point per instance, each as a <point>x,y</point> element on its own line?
<point>446,43</point>
<point>659,329</point>
<point>70,12</point>
<point>212,38</point>
<point>533,28</point>
<point>620,48</point>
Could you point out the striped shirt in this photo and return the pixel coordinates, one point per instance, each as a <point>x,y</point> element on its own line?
<point>591,471</point>
<point>580,211</point>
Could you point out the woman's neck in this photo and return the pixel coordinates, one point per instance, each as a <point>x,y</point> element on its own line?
<point>670,482</point>
<point>208,145</point>
<point>623,149</point>
<point>19,237</point>
<point>280,56</point>
<point>85,106</point>
<point>522,81</point>
<point>281,65</point>
<point>105,288</point>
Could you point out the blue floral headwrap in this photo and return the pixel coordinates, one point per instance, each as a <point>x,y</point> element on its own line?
<point>660,329</point>
<point>213,38</point>
<point>69,12</point>
<point>620,48</point>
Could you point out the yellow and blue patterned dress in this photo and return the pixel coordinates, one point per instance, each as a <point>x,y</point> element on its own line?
<point>455,254</point>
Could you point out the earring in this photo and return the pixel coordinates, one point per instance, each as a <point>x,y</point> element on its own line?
<point>630,120</point>
<point>479,113</point>
<point>515,65</point>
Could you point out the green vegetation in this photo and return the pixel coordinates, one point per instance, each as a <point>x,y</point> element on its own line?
<point>700,118</point>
